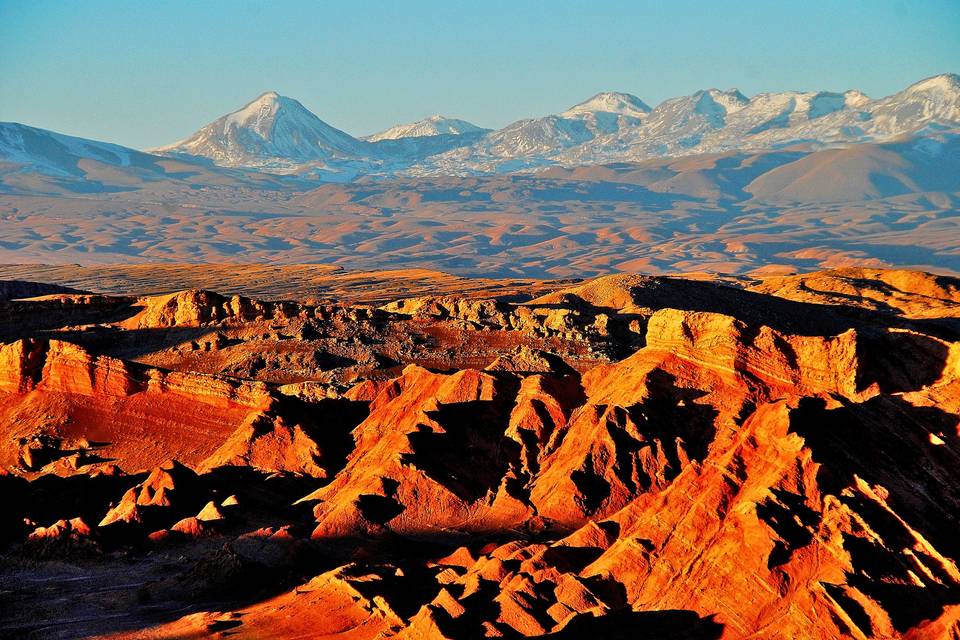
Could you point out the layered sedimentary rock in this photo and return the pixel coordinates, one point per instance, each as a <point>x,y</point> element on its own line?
<point>773,459</point>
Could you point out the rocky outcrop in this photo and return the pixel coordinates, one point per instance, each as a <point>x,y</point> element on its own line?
<point>267,442</point>
<point>64,539</point>
<point>54,366</point>
<point>197,307</point>
<point>170,487</point>
<point>404,470</point>
<point>752,465</point>
<point>57,398</point>
<point>772,362</point>
<point>526,360</point>
<point>912,294</point>
<point>21,365</point>
<point>478,311</point>
<point>567,317</point>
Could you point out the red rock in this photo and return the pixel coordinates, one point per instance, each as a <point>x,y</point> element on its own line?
<point>775,460</point>
<point>192,527</point>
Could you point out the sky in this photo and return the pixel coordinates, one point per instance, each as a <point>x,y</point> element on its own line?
<point>144,74</point>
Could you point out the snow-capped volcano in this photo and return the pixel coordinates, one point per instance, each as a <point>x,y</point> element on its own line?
<point>433,126</point>
<point>272,131</point>
<point>622,104</point>
<point>280,135</point>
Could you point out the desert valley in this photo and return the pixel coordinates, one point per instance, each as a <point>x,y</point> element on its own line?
<point>713,181</point>
<point>633,456</point>
<point>685,369</point>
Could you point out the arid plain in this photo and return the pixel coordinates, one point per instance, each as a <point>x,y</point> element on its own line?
<point>683,372</point>
<point>877,205</point>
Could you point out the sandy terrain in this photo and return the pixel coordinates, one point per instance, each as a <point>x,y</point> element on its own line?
<point>870,205</point>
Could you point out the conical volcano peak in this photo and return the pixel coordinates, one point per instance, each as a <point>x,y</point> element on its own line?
<point>271,130</point>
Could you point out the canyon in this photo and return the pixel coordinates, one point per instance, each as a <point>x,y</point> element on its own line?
<point>417,455</point>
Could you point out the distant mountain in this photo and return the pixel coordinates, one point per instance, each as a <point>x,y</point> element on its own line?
<point>432,126</point>
<point>621,104</point>
<point>535,142</point>
<point>272,132</point>
<point>714,121</point>
<point>57,154</point>
<point>37,161</point>
<point>278,135</point>
<point>708,121</point>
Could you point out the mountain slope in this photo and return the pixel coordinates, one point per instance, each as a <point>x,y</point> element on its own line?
<point>58,154</point>
<point>889,204</point>
<point>866,172</point>
<point>433,126</point>
<point>272,132</point>
<point>279,135</point>
<point>37,161</point>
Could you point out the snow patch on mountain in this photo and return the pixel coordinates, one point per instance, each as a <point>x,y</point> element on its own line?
<point>58,154</point>
<point>279,134</point>
<point>271,132</point>
<point>433,126</point>
<point>622,104</point>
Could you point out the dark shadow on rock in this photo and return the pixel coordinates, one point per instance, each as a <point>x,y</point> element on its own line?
<point>781,314</point>
<point>133,343</point>
<point>30,318</point>
<point>472,456</point>
<point>851,607</point>
<point>882,578</point>
<point>897,361</point>
<point>379,509</point>
<point>15,289</point>
<point>791,519</point>
<point>886,442</point>
<point>329,422</point>
<point>671,413</point>
<point>50,498</point>
<point>642,625</point>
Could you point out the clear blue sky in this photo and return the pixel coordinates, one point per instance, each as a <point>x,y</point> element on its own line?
<point>148,73</point>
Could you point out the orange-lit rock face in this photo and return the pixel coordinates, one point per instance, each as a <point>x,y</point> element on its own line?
<point>636,457</point>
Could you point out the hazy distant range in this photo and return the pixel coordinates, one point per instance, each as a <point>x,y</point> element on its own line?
<point>714,181</point>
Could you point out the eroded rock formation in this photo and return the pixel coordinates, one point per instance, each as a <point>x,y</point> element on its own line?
<point>629,457</point>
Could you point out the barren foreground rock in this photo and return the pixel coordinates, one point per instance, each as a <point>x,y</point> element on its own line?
<point>629,456</point>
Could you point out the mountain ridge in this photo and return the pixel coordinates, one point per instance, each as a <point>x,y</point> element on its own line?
<point>279,135</point>
<point>434,125</point>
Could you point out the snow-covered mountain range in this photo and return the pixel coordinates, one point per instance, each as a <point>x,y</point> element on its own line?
<point>276,134</point>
